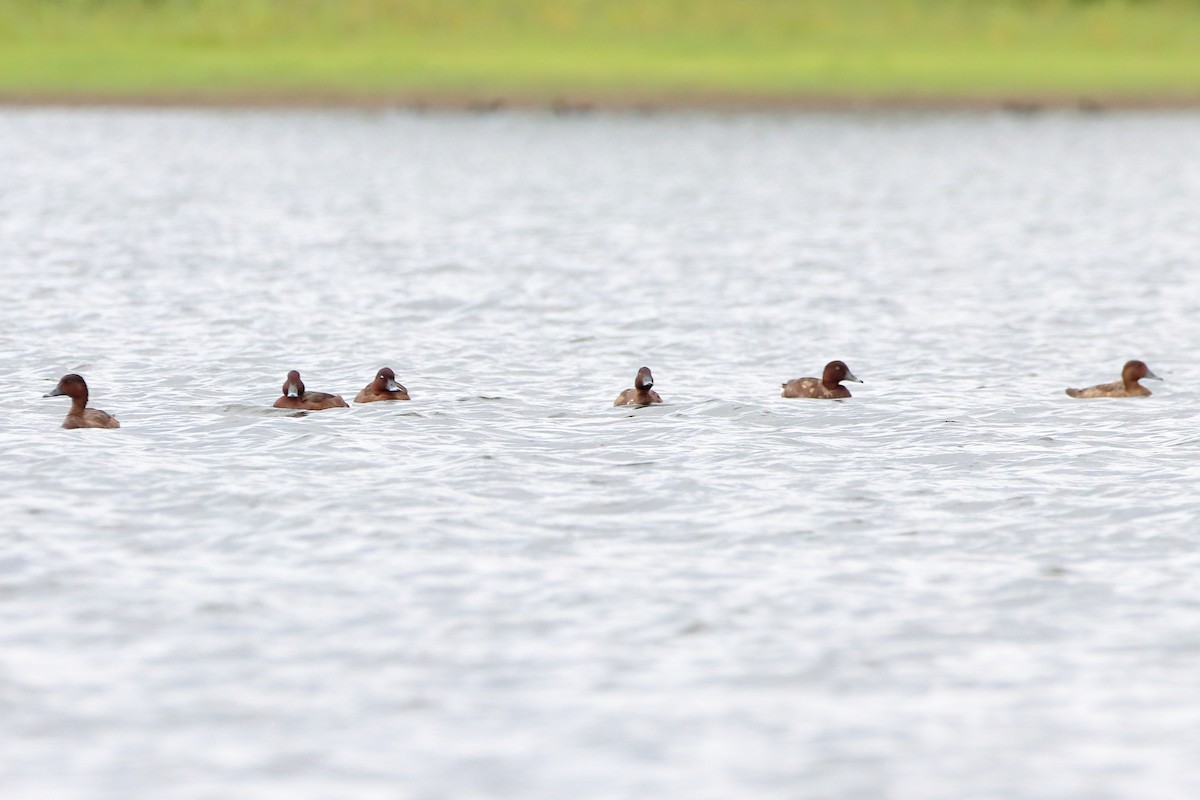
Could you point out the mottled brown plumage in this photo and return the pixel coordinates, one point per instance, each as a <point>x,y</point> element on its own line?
<point>827,387</point>
<point>294,396</point>
<point>641,394</point>
<point>384,387</point>
<point>1128,386</point>
<point>80,416</point>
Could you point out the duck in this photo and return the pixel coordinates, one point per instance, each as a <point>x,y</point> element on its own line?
<point>1128,386</point>
<point>827,387</point>
<point>80,416</point>
<point>294,396</point>
<point>384,387</point>
<point>642,393</point>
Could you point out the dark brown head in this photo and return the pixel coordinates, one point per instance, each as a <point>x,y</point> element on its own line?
<point>835,373</point>
<point>644,380</point>
<point>1134,371</point>
<point>385,381</point>
<point>293,386</point>
<point>73,386</point>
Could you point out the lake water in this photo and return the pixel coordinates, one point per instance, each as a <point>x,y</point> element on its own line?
<point>960,583</point>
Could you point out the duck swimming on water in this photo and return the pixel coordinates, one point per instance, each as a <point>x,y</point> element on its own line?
<point>827,387</point>
<point>294,396</point>
<point>641,394</point>
<point>384,387</point>
<point>80,416</point>
<point>1128,386</point>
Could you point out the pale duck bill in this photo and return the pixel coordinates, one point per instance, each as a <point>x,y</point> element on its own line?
<point>293,390</point>
<point>55,392</point>
<point>850,377</point>
<point>392,386</point>
<point>1150,374</point>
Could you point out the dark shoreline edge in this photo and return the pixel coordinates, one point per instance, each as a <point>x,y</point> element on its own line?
<point>635,101</point>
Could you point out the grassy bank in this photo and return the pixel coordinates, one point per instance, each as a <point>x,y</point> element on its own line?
<point>542,49</point>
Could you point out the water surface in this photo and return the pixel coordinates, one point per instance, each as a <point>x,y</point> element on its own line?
<point>958,584</point>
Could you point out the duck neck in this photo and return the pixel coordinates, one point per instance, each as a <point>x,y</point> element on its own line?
<point>78,404</point>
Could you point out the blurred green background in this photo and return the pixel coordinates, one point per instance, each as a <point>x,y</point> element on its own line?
<point>538,50</point>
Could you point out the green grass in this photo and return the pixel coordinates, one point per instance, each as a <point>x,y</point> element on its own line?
<point>542,48</point>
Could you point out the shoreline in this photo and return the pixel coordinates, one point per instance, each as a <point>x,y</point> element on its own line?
<point>616,101</point>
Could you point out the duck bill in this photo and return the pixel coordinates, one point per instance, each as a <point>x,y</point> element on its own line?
<point>850,377</point>
<point>293,390</point>
<point>392,386</point>
<point>55,392</point>
<point>1152,376</point>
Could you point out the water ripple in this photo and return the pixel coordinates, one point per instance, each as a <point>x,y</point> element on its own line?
<point>959,583</point>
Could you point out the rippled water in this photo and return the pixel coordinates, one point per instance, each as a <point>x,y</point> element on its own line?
<point>958,584</point>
